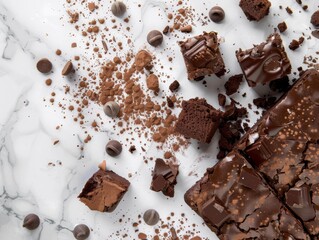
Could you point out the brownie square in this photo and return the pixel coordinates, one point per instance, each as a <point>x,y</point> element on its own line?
<point>255,9</point>
<point>198,120</point>
<point>103,191</point>
<point>265,62</point>
<point>202,56</point>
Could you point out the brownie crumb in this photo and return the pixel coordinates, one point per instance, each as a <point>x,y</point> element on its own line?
<point>282,27</point>
<point>170,103</point>
<point>264,103</point>
<point>132,149</point>
<point>280,85</point>
<point>289,11</point>
<point>294,44</point>
<point>233,83</point>
<point>221,99</point>
<point>174,86</point>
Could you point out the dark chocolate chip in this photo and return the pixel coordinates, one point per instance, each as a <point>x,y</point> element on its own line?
<point>81,232</point>
<point>151,217</point>
<point>113,148</point>
<point>315,19</point>
<point>44,65</point>
<point>67,69</point>
<point>118,8</point>
<point>31,221</point>
<point>294,44</point>
<point>174,86</point>
<point>155,38</point>
<point>216,14</point>
<point>214,212</point>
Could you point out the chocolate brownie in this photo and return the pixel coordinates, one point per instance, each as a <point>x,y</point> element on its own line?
<point>255,9</point>
<point>235,203</point>
<point>202,56</point>
<point>265,62</point>
<point>198,120</point>
<point>104,190</point>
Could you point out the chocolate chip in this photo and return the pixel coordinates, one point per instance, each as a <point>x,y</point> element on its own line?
<point>44,65</point>
<point>118,8</point>
<point>282,27</point>
<point>81,232</point>
<point>67,69</point>
<point>113,148</point>
<point>174,86</point>
<point>31,221</point>
<point>315,19</point>
<point>151,217</point>
<point>111,109</point>
<point>155,38</point>
<point>216,14</point>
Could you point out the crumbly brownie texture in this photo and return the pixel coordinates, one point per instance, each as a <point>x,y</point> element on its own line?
<point>104,190</point>
<point>202,56</point>
<point>283,146</point>
<point>235,203</point>
<point>255,9</point>
<point>265,62</point>
<point>198,120</point>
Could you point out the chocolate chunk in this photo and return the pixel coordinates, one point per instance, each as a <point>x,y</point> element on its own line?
<point>202,56</point>
<point>132,149</point>
<point>113,148</point>
<point>198,120</point>
<point>170,103</point>
<point>111,109</point>
<point>289,10</point>
<point>103,191</point>
<point>294,44</point>
<point>249,178</point>
<point>31,221</point>
<point>118,8</point>
<point>166,30</point>
<point>215,212</point>
<point>221,99</point>
<point>255,10</point>
<point>264,103</point>
<point>233,83</point>
<point>282,27</point>
<point>315,19</point>
<point>81,232</point>
<point>142,60</point>
<point>265,62</point>
<point>216,14</point>
<point>260,151</point>
<point>164,177</point>
<point>67,69</point>
<point>44,65</point>
<point>155,38</point>
<point>174,86</point>
<point>151,217</point>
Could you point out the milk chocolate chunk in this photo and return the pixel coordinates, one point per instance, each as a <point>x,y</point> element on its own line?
<point>44,65</point>
<point>265,62</point>
<point>255,10</point>
<point>198,120</point>
<point>202,56</point>
<point>31,221</point>
<point>103,191</point>
<point>164,177</point>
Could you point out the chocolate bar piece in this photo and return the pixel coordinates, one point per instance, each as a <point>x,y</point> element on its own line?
<point>202,56</point>
<point>104,190</point>
<point>235,203</point>
<point>283,147</point>
<point>265,62</point>
<point>198,120</point>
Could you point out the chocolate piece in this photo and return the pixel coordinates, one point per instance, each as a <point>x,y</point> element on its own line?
<point>152,82</point>
<point>155,38</point>
<point>170,103</point>
<point>289,10</point>
<point>280,85</point>
<point>151,217</point>
<point>202,56</point>
<point>132,149</point>
<point>264,103</point>
<point>315,19</point>
<point>44,65</point>
<point>255,9</point>
<point>103,191</point>
<point>265,62</point>
<point>164,177</point>
<point>236,204</point>
<point>233,83</point>
<point>118,8</point>
<point>81,232</point>
<point>174,86</point>
<point>294,44</point>
<point>142,60</point>
<point>186,29</point>
<point>282,27</point>
<point>221,100</point>
<point>198,120</point>
<point>113,148</point>
<point>111,109</point>
<point>31,221</point>
<point>216,14</point>
<point>68,68</point>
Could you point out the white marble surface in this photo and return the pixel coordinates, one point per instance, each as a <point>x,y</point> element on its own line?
<point>32,29</point>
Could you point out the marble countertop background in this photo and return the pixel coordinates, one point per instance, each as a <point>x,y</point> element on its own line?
<point>33,29</point>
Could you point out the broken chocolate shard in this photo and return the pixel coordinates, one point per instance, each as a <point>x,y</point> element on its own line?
<point>249,178</point>
<point>215,212</point>
<point>260,151</point>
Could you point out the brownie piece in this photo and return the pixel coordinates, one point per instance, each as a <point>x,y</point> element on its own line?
<point>202,56</point>
<point>265,62</point>
<point>164,177</point>
<point>103,191</point>
<point>198,120</point>
<point>283,147</point>
<point>233,83</point>
<point>255,9</point>
<point>235,203</point>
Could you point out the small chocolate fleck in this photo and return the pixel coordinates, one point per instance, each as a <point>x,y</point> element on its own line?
<point>68,68</point>
<point>81,232</point>
<point>44,65</point>
<point>111,109</point>
<point>151,217</point>
<point>216,14</point>
<point>113,148</point>
<point>31,221</point>
<point>221,99</point>
<point>118,8</point>
<point>155,38</point>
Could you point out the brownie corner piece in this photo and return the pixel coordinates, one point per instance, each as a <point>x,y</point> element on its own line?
<point>265,62</point>
<point>198,120</point>
<point>202,56</point>
<point>103,191</point>
<point>255,10</point>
